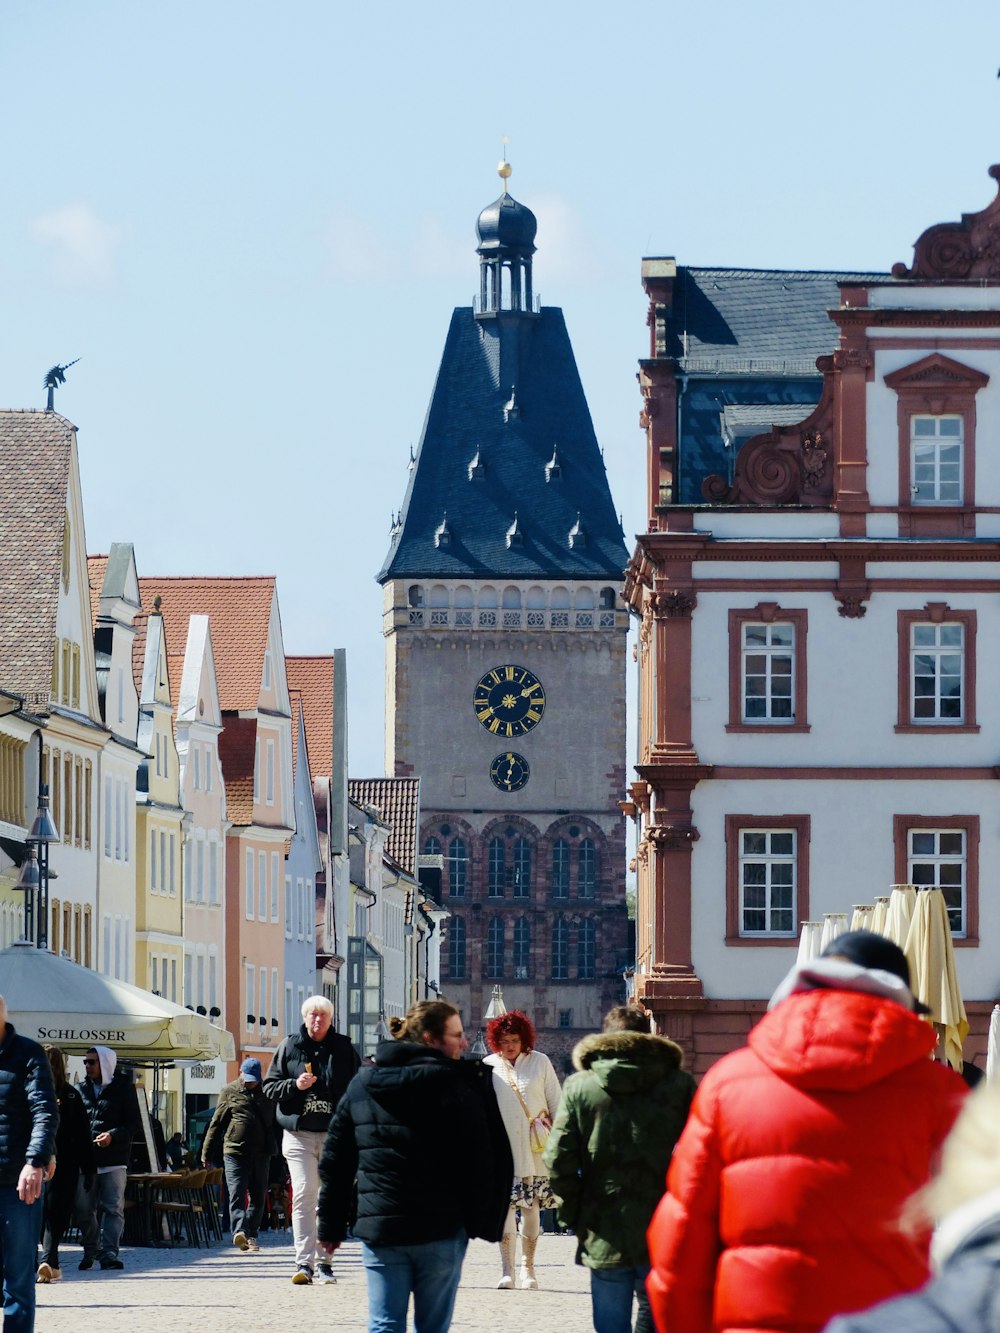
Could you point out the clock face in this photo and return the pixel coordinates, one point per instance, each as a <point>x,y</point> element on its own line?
<point>509,771</point>
<point>509,700</point>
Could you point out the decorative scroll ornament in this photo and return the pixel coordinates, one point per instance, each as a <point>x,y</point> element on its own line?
<point>673,605</point>
<point>789,465</point>
<point>672,837</point>
<point>957,251</point>
<point>852,605</point>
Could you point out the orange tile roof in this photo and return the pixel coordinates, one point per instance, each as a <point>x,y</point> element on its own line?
<point>398,802</point>
<point>240,613</point>
<point>35,453</point>
<point>96,567</point>
<point>237,750</point>
<point>312,678</point>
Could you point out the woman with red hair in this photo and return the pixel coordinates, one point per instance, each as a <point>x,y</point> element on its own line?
<point>528,1095</point>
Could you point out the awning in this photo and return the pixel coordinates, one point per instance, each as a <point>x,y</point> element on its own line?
<point>55,1000</point>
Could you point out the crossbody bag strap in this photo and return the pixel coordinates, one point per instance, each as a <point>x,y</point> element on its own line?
<point>512,1081</point>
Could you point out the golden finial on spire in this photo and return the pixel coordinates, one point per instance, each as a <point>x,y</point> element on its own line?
<point>503,167</point>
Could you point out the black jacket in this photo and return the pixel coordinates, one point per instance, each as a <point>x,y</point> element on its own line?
<point>424,1138</point>
<point>243,1124</point>
<point>333,1060</point>
<point>28,1113</point>
<point>113,1110</point>
<point>75,1152</point>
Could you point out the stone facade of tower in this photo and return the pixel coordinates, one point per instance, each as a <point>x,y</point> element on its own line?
<point>505,660</point>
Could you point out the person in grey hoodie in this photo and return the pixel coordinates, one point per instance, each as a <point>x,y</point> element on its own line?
<point>113,1112</point>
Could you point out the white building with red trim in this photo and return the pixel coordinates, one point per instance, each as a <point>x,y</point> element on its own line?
<point>817,602</point>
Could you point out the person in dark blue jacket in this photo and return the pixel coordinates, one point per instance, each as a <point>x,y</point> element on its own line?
<point>28,1121</point>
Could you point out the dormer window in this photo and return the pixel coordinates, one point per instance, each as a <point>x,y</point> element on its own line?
<point>577,535</point>
<point>936,459</point>
<point>514,535</point>
<point>442,533</point>
<point>477,468</point>
<point>553,468</point>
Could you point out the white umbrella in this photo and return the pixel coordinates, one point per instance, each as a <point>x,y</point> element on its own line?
<point>993,1045</point>
<point>834,924</point>
<point>55,1000</point>
<point>879,913</point>
<point>810,939</point>
<point>899,913</point>
<point>930,951</point>
<point>862,916</point>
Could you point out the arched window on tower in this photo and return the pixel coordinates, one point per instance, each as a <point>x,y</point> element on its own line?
<point>494,948</point>
<point>432,846</point>
<point>586,945</point>
<point>586,869</point>
<point>560,949</point>
<point>458,866</point>
<point>456,948</point>
<point>521,872</point>
<point>497,868</point>
<point>522,949</point>
<point>607,599</point>
<point>560,868</point>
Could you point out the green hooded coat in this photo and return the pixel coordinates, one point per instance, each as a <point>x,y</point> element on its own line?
<point>610,1146</point>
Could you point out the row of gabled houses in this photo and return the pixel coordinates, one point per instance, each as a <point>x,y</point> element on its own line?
<point>211,845</point>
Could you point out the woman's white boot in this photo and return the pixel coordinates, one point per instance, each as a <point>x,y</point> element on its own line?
<point>506,1282</point>
<point>528,1280</point>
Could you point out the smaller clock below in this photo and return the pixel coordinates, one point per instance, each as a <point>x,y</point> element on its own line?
<point>509,771</point>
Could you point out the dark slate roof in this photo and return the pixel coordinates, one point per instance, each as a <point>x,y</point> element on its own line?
<point>754,321</point>
<point>36,451</point>
<point>482,359</point>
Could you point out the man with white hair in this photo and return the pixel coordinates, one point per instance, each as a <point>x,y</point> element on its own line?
<point>307,1078</point>
<point>28,1120</point>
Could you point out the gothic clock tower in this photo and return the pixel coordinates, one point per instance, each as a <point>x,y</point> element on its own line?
<point>505,657</point>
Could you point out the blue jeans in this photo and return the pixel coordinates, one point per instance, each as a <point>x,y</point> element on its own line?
<point>431,1271</point>
<point>19,1225</point>
<point>101,1213</point>
<point>611,1292</point>
<point>246,1181</point>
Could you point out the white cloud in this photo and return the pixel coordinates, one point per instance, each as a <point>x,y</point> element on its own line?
<point>83,248</point>
<point>566,256</point>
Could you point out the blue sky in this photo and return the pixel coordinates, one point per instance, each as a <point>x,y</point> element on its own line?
<point>251,221</point>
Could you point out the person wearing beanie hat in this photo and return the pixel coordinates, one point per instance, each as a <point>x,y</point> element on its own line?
<point>786,1186</point>
<point>244,1125</point>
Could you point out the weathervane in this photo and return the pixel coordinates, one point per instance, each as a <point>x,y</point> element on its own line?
<point>55,377</point>
<point>503,167</point>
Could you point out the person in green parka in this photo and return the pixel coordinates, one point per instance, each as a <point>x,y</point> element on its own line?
<point>608,1153</point>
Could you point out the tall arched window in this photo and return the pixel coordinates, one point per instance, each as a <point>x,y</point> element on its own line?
<point>522,868</point>
<point>560,869</point>
<point>432,846</point>
<point>522,949</point>
<point>494,948</point>
<point>458,867</point>
<point>586,957</point>
<point>586,869</point>
<point>497,868</point>
<point>456,948</point>
<point>560,949</point>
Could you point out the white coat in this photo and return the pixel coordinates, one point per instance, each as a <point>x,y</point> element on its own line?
<point>539,1087</point>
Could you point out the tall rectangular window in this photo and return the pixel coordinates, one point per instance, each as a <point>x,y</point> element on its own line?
<point>456,948</point>
<point>262,885</point>
<point>560,869</point>
<point>458,864</point>
<point>310,911</point>
<point>937,859</point>
<point>110,817</point>
<point>88,802</point>
<point>256,770</point>
<point>494,948</point>
<point>288,907</point>
<point>937,665</point>
<point>153,879</point>
<point>262,1014</point>
<point>197,766</point>
<point>522,868</point>
<point>269,778</point>
<point>587,950</point>
<point>66,831</point>
<point>250,996</point>
<point>560,949</point>
<point>213,872</point>
<point>522,949</point>
<point>768,672</point>
<point>936,459</point>
<point>213,978</point>
<point>767,882</point>
<point>164,882</point>
<point>298,913</point>
<point>248,887</point>
<point>274,996</point>
<point>586,869</point>
<point>172,881</point>
<point>199,873</point>
<point>496,868</point>
<point>275,884</point>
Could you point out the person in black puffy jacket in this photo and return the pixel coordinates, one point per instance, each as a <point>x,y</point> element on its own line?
<point>28,1118</point>
<point>74,1161</point>
<point>421,1133</point>
<point>113,1111</point>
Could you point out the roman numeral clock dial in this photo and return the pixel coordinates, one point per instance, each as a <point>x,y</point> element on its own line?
<point>509,701</point>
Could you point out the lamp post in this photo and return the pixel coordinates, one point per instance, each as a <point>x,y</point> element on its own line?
<point>33,880</point>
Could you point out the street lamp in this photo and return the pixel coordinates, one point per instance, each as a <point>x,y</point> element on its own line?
<point>34,878</point>
<point>478,1048</point>
<point>496,1006</point>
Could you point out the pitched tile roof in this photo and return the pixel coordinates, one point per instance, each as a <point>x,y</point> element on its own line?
<point>237,750</point>
<point>398,802</point>
<point>746,321</point>
<point>312,678</point>
<point>240,613</point>
<point>96,565</point>
<point>474,418</point>
<point>36,449</point>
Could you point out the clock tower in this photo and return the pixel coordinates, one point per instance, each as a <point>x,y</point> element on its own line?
<point>505,658</point>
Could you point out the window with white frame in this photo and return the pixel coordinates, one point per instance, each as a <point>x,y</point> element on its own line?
<point>494,948</point>
<point>937,859</point>
<point>152,859</point>
<point>310,906</point>
<point>262,1014</point>
<point>767,870</point>
<point>522,948</point>
<point>213,871</point>
<point>458,865</point>
<point>587,949</point>
<point>289,1008</point>
<point>269,787</point>
<point>288,907</point>
<point>249,884</point>
<point>209,767</point>
<point>262,885</point>
<point>768,668</point>
<point>213,977</point>
<point>275,884</point>
<point>299,923</point>
<point>197,767</point>
<point>937,670</point>
<point>108,816</point>
<point>256,770</point>
<point>936,459</point>
<point>560,949</point>
<point>251,1001</point>
<point>188,983</point>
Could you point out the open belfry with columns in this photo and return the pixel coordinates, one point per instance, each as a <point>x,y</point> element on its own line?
<point>816,588</point>
<point>505,658</point>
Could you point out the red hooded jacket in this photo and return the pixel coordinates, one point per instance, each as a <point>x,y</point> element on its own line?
<point>786,1186</point>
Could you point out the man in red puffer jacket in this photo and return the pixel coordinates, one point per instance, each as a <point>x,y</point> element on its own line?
<point>786,1186</point>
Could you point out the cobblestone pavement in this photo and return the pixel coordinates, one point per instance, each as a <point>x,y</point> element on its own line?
<point>201,1291</point>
